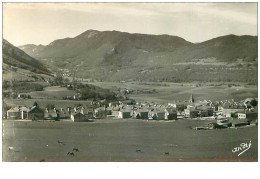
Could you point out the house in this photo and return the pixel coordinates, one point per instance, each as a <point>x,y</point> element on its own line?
<point>240,122</point>
<point>51,115</point>
<point>205,111</point>
<point>241,115</point>
<point>191,107</point>
<point>247,115</point>
<point>78,117</point>
<point>13,113</point>
<point>191,113</point>
<point>24,112</point>
<point>64,113</point>
<point>89,113</point>
<point>229,110</point>
<point>115,111</point>
<point>141,114</point>
<point>36,113</point>
<point>170,114</point>
<point>158,114</point>
<point>100,112</point>
<point>23,96</point>
<point>124,113</point>
<point>109,110</point>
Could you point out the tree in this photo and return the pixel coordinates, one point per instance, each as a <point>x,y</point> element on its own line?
<point>253,102</point>
<point>50,106</point>
<point>35,104</point>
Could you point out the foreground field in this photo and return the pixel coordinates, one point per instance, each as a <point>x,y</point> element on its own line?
<point>118,140</point>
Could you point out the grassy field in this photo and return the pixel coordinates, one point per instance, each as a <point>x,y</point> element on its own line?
<point>169,92</point>
<point>118,140</point>
<point>52,92</point>
<point>22,74</point>
<point>44,102</point>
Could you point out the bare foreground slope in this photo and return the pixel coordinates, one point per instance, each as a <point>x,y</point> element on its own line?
<point>124,140</point>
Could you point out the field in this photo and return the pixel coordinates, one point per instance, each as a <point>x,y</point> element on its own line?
<point>170,92</point>
<point>52,92</point>
<point>118,140</point>
<point>165,93</point>
<point>19,74</point>
<point>44,102</point>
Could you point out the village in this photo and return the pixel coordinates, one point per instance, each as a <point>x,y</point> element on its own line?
<point>227,113</point>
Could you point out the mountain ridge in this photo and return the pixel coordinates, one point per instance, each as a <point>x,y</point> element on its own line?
<point>114,55</point>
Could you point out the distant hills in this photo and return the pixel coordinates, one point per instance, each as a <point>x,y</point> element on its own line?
<point>113,56</point>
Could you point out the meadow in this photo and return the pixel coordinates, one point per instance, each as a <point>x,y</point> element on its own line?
<point>52,92</point>
<point>124,140</point>
<point>165,93</point>
<point>170,92</point>
<point>44,102</point>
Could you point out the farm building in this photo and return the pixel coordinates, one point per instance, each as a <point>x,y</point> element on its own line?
<point>36,113</point>
<point>241,115</point>
<point>141,114</point>
<point>247,115</point>
<point>115,111</point>
<point>24,112</point>
<point>240,122</point>
<point>78,117</point>
<point>100,112</point>
<point>191,107</point>
<point>13,113</point>
<point>158,114</point>
<point>109,110</point>
<point>206,112</point>
<point>23,96</point>
<point>229,110</point>
<point>89,113</point>
<point>191,113</point>
<point>50,115</point>
<point>170,114</point>
<point>64,113</point>
<point>124,113</point>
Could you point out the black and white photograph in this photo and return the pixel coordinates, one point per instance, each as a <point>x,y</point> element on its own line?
<point>130,82</point>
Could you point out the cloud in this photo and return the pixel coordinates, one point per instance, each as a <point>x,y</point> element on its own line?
<point>240,12</point>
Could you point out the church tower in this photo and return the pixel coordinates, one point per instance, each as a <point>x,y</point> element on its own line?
<point>191,99</point>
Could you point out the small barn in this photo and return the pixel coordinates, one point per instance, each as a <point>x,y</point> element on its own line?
<point>141,114</point>
<point>78,117</point>
<point>170,114</point>
<point>50,115</point>
<point>13,113</point>
<point>24,112</point>
<point>191,113</point>
<point>124,113</point>
<point>158,114</point>
<point>36,113</point>
<point>240,122</point>
<point>100,112</point>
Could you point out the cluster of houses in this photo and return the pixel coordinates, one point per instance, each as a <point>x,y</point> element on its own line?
<point>153,111</point>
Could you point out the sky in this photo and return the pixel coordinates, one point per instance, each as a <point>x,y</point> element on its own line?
<point>42,23</point>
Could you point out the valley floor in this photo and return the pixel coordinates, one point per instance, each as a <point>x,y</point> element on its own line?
<point>170,92</point>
